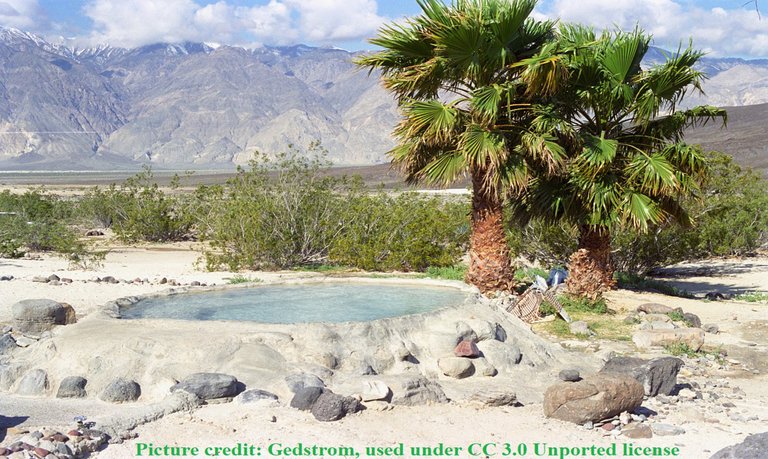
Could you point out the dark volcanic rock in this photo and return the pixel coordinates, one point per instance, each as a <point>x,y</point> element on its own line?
<point>121,390</point>
<point>753,447</point>
<point>209,386</point>
<point>332,407</point>
<point>306,397</point>
<point>299,381</point>
<point>569,375</point>
<point>658,376</point>
<point>72,387</point>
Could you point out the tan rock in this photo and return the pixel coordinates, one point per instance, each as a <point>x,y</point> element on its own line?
<point>693,337</point>
<point>654,308</point>
<point>594,398</point>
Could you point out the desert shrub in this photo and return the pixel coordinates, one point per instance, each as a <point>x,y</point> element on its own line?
<point>38,221</point>
<point>277,214</point>
<point>138,210</point>
<point>407,232</point>
<point>100,206</point>
<point>286,212</point>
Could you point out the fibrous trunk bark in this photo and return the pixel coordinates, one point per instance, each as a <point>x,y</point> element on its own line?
<point>490,267</point>
<point>590,272</point>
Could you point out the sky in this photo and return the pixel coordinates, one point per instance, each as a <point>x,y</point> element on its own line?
<point>719,27</point>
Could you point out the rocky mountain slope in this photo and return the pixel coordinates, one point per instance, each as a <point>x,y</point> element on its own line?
<point>200,106</point>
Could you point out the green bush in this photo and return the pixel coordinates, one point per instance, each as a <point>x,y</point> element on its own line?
<point>287,212</point>
<point>138,210</point>
<point>39,221</point>
<point>408,232</point>
<point>277,214</point>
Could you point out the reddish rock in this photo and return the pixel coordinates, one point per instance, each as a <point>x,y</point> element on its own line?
<point>4,451</point>
<point>466,349</point>
<point>42,452</point>
<point>60,437</point>
<point>608,427</point>
<point>639,431</point>
<point>74,433</point>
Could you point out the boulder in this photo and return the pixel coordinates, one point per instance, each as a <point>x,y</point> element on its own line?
<point>654,308</point>
<point>465,332</point>
<point>419,391</point>
<point>332,407</point>
<point>494,398</point>
<point>487,330</point>
<point>7,344</point>
<point>753,447</point>
<point>36,316</point>
<point>593,398</point>
<point>466,349</point>
<point>208,386</point>
<point>569,375</point>
<point>375,390</point>
<point>692,319</point>
<point>693,337</point>
<point>503,356</point>
<point>72,387</point>
<point>10,373</point>
<point>34,382</point>
<point>255,396</point>
<point>121,390</point>
<point>299,381</point>
<point>658,376</point>
<point>483,367</point>
<point>305,397</point>
<point>456,367</point>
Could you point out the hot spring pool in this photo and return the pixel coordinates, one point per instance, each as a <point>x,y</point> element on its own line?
<point>297,303</point>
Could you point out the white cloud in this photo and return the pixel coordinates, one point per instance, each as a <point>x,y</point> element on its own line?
<point>725,32</point>
<point>21,14</point>
<point>337,20</point>
<point>141,22</point>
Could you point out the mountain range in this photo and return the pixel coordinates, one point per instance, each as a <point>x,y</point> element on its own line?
<point>204,106</point>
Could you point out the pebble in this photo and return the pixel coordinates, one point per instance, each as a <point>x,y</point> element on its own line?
<point>51,444</point>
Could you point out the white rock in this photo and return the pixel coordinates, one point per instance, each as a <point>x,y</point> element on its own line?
<point>375,390</point>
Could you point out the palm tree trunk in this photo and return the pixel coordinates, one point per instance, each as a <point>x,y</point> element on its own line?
<point>590,271</point>
<point>490,267</point>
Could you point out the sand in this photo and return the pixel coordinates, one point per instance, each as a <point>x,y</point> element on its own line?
<point>743,332</point>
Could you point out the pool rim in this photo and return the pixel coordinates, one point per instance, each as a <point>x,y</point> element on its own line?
<point>112,308</point>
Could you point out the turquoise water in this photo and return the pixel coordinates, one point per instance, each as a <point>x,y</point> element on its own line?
<point>283,304</point>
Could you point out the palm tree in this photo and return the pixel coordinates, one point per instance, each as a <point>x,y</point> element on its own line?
<point>453,71</point>
<point>627,162</point>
